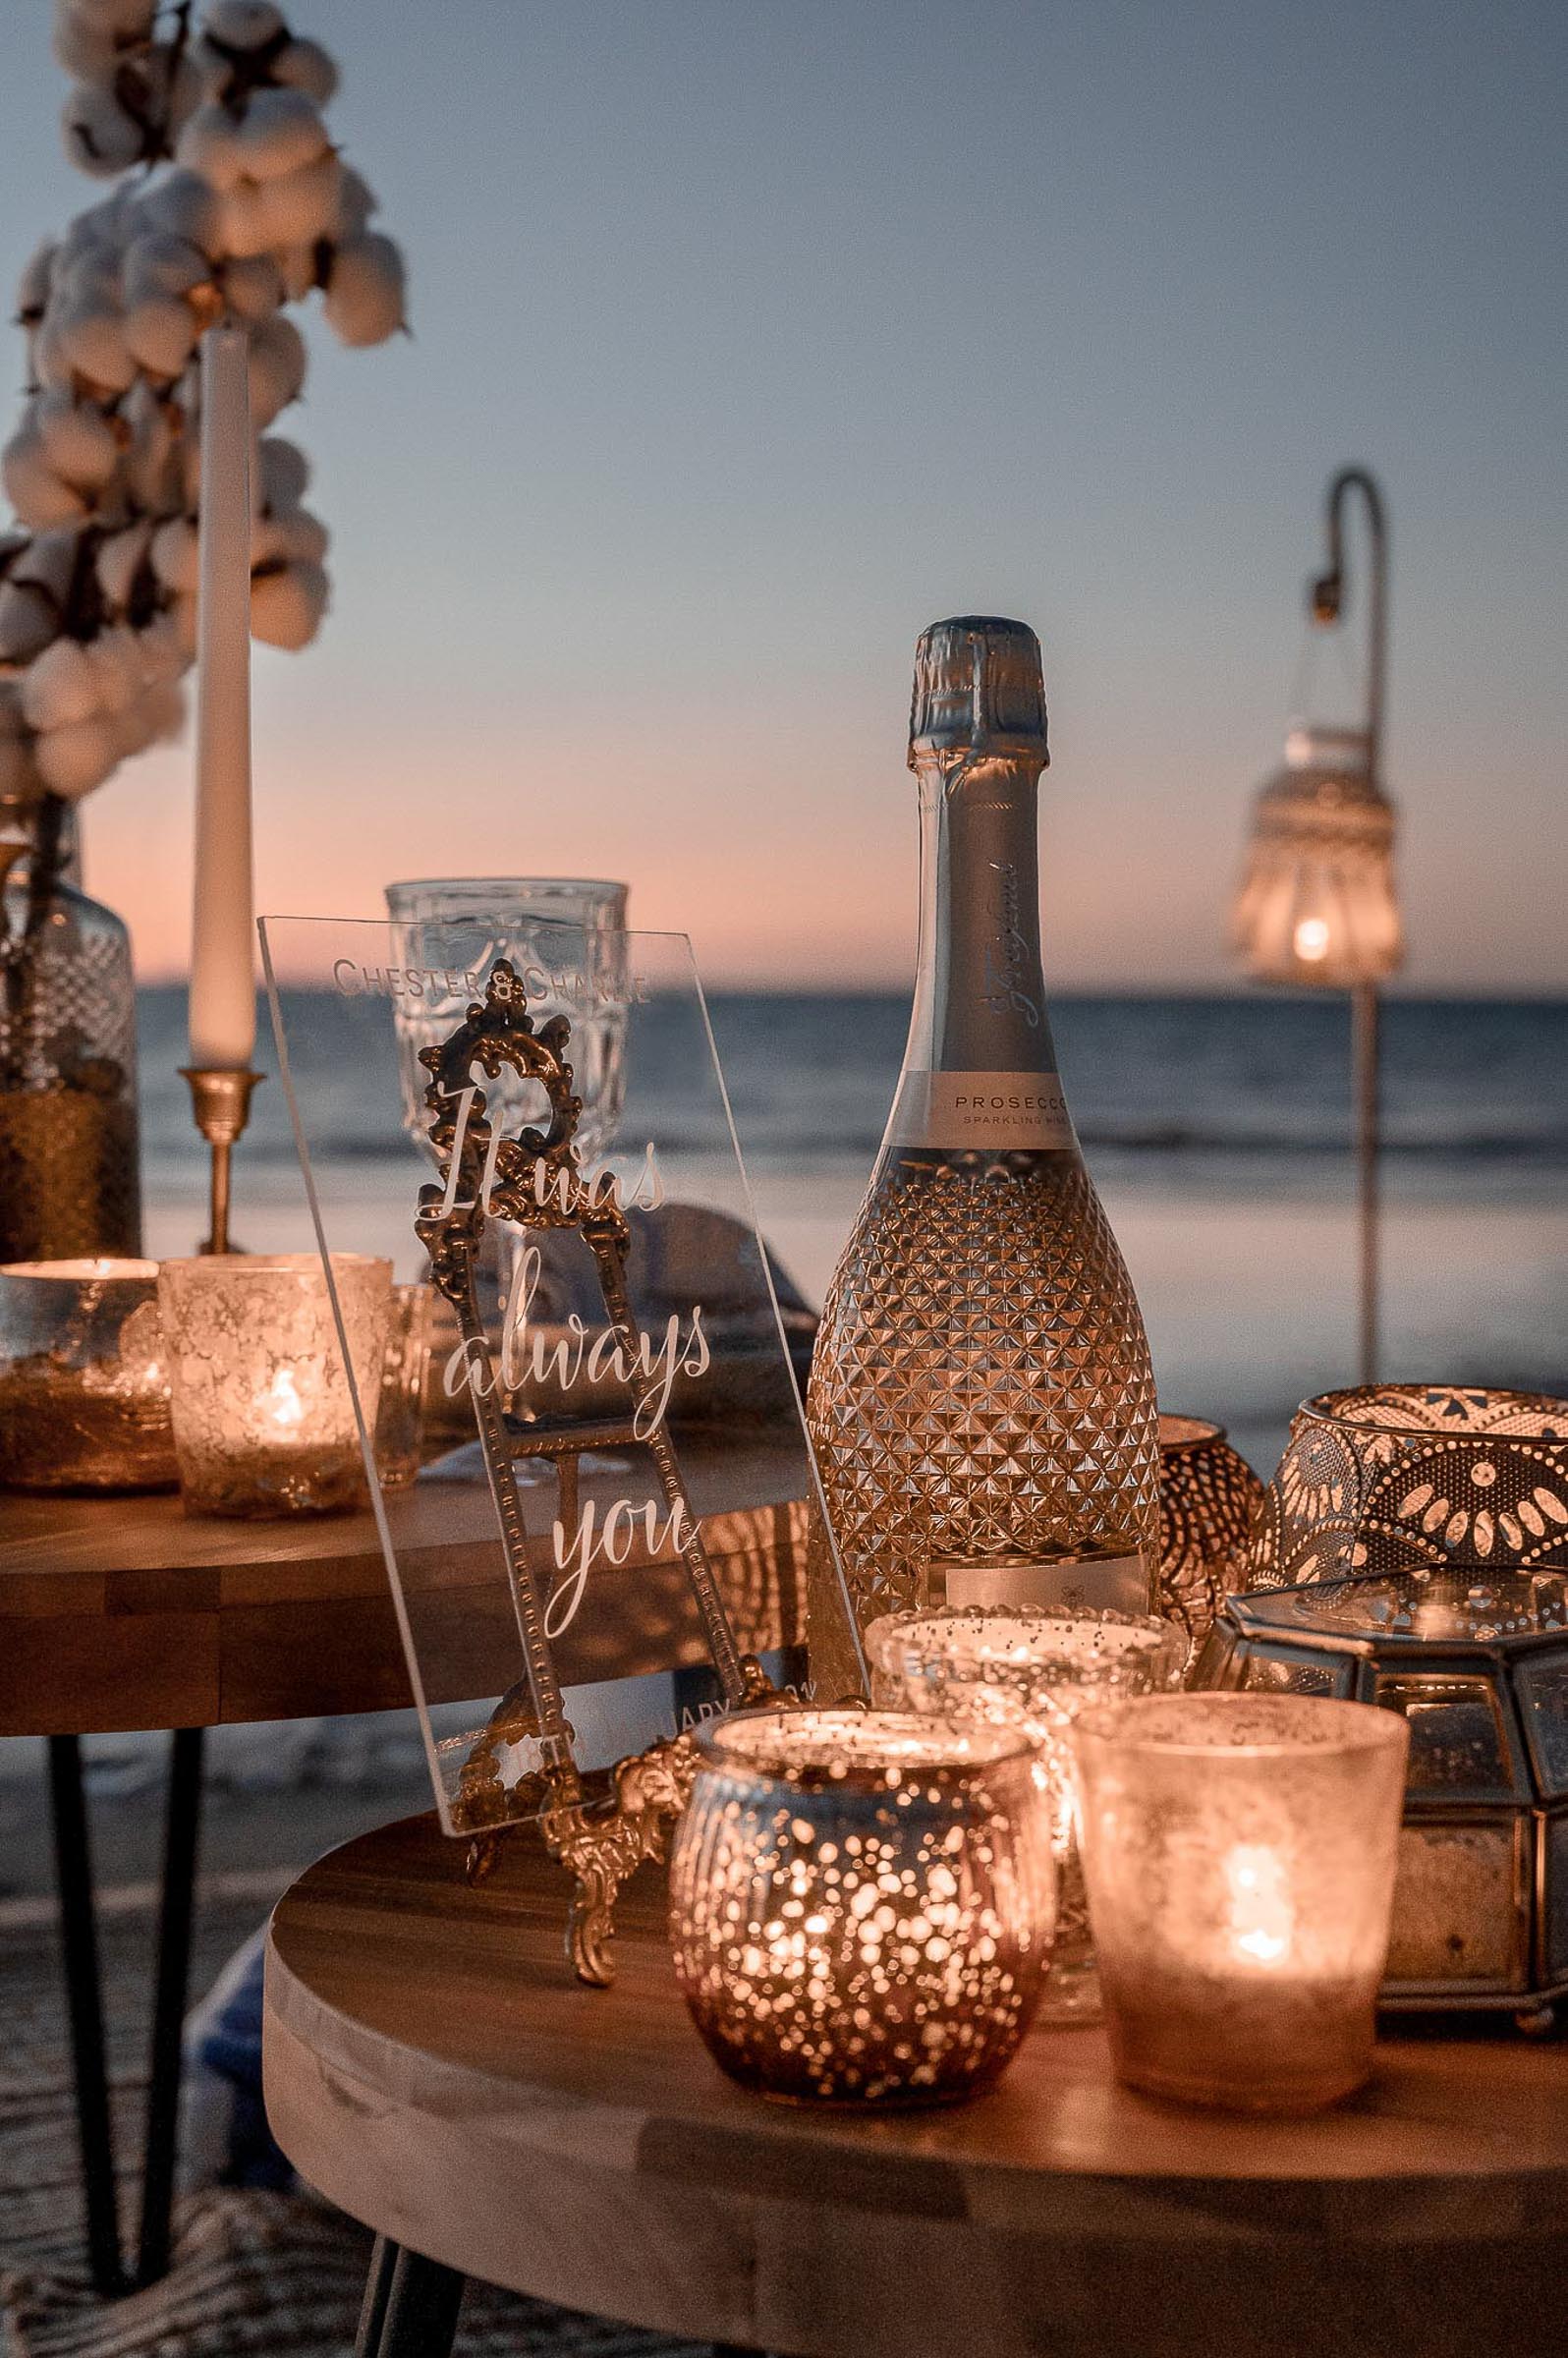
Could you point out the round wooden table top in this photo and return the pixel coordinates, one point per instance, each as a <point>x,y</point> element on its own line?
<point>432,2067</point>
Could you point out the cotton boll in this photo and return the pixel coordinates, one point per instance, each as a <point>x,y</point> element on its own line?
<point>298,263</point>
<point>33,290</point>
<point>149,471</point>
<point>245,229</point>
<point>305,66</point>
<point>286,608</point>
<point>176,555</point>
<point>244,24</point>
<point>285,474</point>
<point>252,286</point>
<point>92,340</point>
<point>277,369</point>
<point>182,205</point>
<point>280,131</point>
<point>120,560</point>
<point>79,442</point>
<point>161,334</point>
<point>157,712</point>
<point>28,620</point>
<point>116,664</point>
<point>158,263</point>
<point>306,205</point>
<point>162,647</point>
<point>88,52</point>
<point>279,540</point>
<point>365,292</point>
<point>37,492</point>
<point>356,202</point>
<point>49,563</point>
<point>131,18</point>
<point>60,687</point>
<point>101,137</point>
<point>48,362</point>
<point>73,760</point>
<point>209,144</point>
<point>302,538</point>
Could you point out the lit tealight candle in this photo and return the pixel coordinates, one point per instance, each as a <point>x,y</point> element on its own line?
<point>1239,1852</point>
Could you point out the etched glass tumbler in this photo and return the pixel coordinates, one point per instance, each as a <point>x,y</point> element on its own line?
<point>564,936</point>
<point>862,1903</point>
<point>263,1416</point>
<point>1034,1671</point>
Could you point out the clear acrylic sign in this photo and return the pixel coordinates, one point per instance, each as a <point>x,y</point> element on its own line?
<point>648,1465</point>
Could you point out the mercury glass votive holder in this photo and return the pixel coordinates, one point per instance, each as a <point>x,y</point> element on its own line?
<point>263,1416</point>
<point>399,1417</point>
<point>83,1383</point>
<point>1240,1854</point>
<point>862,1903</point>
<point>1034,1671</point>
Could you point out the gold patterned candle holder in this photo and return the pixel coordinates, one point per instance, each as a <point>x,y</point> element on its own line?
<point>83,1378</point>
<point>263,1419</point>
<point>1240,1853</point>
<point>862,1903</point>
<point>1034,1671</point>
<point>1414,1477</point>
<point>1209,1499</point>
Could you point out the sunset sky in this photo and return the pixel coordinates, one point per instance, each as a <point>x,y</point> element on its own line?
<point>750,339</point>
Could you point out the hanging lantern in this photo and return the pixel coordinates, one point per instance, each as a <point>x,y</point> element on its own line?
<point>1317,904</point>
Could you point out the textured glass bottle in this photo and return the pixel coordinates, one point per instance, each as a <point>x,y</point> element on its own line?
<point>981,1394</point>
<point>69,1177</point>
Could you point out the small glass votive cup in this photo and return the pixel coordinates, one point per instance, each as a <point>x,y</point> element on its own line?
<point>1240,1854</point>
<point>263,1418</point>
<point>1034,1671</point>
<point>84,1384</point>
<point>862,1903</point>
<point>399,1417</point>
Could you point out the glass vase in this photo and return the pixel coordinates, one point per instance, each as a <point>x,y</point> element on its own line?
<point>70,1185</point>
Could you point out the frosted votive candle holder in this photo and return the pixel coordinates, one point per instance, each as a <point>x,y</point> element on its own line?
<point>1239,1852</point>
<point>1035,1670</point>
<point>862,1903</point>
<point>263,1418</point>
<point>400,1418</point>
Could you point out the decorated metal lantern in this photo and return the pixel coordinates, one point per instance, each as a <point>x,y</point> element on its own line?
<point>1477,1663</point>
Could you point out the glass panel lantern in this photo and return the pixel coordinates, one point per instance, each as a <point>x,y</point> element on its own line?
<point>1476,1662</point>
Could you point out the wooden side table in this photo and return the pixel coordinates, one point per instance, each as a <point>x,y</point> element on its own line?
<point>119,1615</point>
<point>434,2069</point>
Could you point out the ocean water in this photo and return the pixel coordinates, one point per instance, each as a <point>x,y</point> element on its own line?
<point>1217,1130</point>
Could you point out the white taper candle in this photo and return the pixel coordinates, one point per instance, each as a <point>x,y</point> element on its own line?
<point>223,928</point>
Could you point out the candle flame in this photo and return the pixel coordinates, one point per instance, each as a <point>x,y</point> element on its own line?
<point>1262,1918</point>
<point>282,1401</point>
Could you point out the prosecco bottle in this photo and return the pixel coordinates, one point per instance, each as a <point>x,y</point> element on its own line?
<point>980,1401</point>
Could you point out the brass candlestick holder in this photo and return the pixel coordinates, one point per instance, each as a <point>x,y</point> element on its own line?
<point>220,1099</point>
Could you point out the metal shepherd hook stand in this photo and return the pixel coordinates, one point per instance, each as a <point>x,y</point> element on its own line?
<point>1327,603</point>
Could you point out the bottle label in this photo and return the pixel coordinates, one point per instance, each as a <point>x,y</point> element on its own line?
<point>980,1109</point>
<point>1096,1584</point>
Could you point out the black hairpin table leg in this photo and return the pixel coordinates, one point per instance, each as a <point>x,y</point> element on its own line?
<point>411,2305</point>
<point>183,1826</point>
<point>78,1940</point>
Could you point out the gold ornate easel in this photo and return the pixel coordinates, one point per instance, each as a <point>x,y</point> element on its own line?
<point>536,1182</point>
